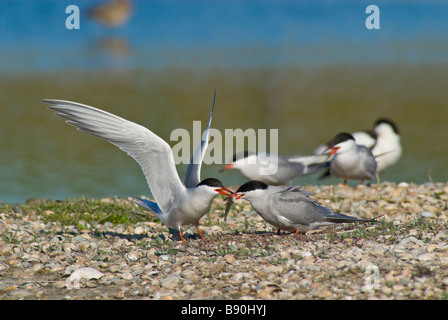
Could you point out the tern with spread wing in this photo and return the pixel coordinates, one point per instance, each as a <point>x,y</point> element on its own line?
<point>253,166</point>
<point>176,203</point>
<point>290,208</point>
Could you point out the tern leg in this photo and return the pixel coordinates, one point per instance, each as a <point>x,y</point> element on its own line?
<point>278,231</point>
<point>181,238</point>
<point>345,182</point>
<point>199,231</point>
<point>302,236</point>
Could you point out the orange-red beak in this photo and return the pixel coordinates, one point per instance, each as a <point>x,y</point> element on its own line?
<point>227,167</point>
<point>236,196</point>
<point>224,191</point>
<point>333,151</point>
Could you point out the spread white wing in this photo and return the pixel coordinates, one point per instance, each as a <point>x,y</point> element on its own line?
<point>151,152</point>
<point>193,174</point>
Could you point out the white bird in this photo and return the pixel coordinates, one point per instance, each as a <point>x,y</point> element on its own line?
<point>383,140</point>
<point>176,204</point>
<point>290,208</point>
<point>387,149</point>
<point>351,161</point>
<point>255,166</point>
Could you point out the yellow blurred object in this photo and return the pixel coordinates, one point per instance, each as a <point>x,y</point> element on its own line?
<point>112,13</point>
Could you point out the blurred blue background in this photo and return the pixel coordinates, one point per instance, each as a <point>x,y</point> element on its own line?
<point>309,68</point>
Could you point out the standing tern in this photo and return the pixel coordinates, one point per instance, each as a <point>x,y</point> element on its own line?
<point>351,161</point>
<point>176,203</point>
<point>290,208</point>
<point>387,149</point>
<point>383,140</point>
<point>252,166</point>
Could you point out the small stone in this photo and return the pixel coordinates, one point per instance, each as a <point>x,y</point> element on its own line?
<point>127,276</point>
<point>306,254</point>
<point>171,281</point>
<point>427,214</point>
<point>398,287</point>
<point>139,230</point>
<point>114,268</point>
<point>38,267</point>
<point>425,257</point>
<point>445,281</point>
<point>86,273</point>
<point>237,277</point>
<point>264,293</point>
<point>325,294</point>
<point>60,284</point>
<point>131,257</point>
<point>229,258</point>
<point>91,284</point>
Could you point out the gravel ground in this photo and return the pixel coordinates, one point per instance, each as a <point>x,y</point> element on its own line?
<point>403,257</point>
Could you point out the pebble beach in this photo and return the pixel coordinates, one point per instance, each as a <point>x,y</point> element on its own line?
<point>403,256</point>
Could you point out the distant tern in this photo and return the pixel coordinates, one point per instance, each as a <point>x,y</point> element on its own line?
<point>351,161</point>
<point>252,166</point>
<point>387,149</point>
<point>176,203</point>
<point>290,208</point>
<point>383,140</point>
<point>112,13</point>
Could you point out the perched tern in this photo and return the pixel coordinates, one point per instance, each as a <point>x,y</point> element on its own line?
<point>253,166</point>
<point>351,161</point>
<point>387,149</point>
<point>176,203</point>
<point>383,140</point>
<point>290,208</point>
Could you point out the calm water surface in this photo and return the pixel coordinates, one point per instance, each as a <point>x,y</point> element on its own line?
<point>308,68</point>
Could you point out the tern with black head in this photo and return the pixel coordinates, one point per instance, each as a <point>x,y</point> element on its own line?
<point>383,140</point>
<point>290,208</point>
<point>387,149</point>
<point>351,161</point>
<point>176,203</point>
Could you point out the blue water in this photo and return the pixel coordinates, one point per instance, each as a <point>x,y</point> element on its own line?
<point>179,33</point>
<point>205,35</point>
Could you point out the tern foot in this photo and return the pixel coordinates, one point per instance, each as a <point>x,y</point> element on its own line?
<point>181,237</point>
<point>199,232</point>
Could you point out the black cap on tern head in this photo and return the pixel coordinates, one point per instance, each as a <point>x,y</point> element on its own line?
<point>388,121</point>
<point>241,155</point>
<point>341,137</point>
<point>211,182</point>
<point>252,185</point>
